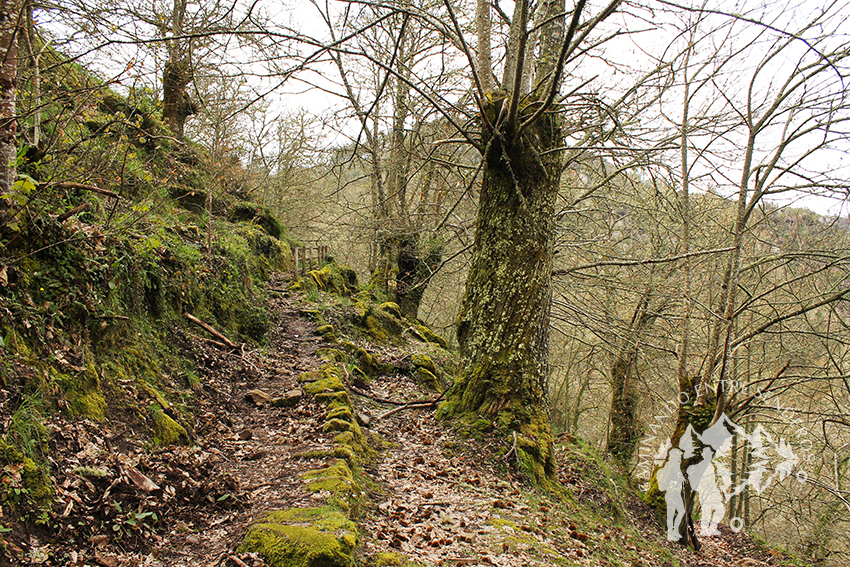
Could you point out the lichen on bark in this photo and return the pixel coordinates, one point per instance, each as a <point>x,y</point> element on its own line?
<point>503,325</point>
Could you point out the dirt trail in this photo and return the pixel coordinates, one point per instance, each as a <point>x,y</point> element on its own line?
<point>432,498</point>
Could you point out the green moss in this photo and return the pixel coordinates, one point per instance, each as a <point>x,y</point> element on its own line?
<point>428,380</point>
<point>91,405</point>
<point>391,308</point>
<point>166,430</point>
<point>333,397</point>
<point>303,537</point>
<point>311,376</point>
<point>336,479</point>
<point>82,392</point>
<point>424,361</point>
<point>367,362</point>
<point>426,335</point>
<point>331,384</point>
<point>342,412</point>
<point>331,354</point>
<point>36,480</point>
<point>374,328</point>
<point>336,425</point>
<point>332,278</point>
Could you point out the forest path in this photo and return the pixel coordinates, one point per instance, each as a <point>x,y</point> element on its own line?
<point>432,497</point>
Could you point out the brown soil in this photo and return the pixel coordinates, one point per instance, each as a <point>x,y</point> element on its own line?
<point>434,498</point>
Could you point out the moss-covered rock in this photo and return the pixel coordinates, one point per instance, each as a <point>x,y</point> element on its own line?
<point>333,278</point>
<point>391,308</point>
<point>336,425</point>
<point>247,211</point>
<point>426,335</point>
<point>331,354</point>
<point>428,380</point>
<point>338,481</point>
<point>166,430</point>
<point>424,361</point>
<point>327,332</point>
<point>342,412</point>
<point>303,537</point>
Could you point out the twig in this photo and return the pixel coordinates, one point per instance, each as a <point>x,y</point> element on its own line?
<point>412,405</point>
<point>120,317</point>
<point>212,331</point>
<point>508,454</point>
<point>75,211</point>
<point>400,408</point>
<point>85,187</point>
<point>206,340</point>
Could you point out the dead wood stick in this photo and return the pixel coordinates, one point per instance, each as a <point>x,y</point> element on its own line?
<point>209,329</point>
<point>400,408</point>
<point>206,340</point>
<point>85,187</point>
<point>75,211</point>
<point>508,454</point>
<point>412,405</point>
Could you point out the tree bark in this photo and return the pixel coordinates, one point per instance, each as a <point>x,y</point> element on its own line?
<point>503,325</point>
<point>9,31</point>
<point>177,106</point>
<point>415,266</point>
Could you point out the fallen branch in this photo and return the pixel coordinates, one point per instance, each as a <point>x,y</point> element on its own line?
<point>209,329</point>
<point>412,405</point>
<point>75,211</point>
<point>85,187</point>
<point>508,454</point>
<point>206,340</point>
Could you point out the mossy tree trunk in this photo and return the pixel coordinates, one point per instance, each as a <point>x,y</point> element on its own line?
<point>416,265</point>
<point>624,435</point>
<point>9,32</point>
<point>694,420</point>
<point>178,72</point>
<point>503,326</point>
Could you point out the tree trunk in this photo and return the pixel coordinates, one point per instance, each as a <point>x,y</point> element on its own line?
<point>9,32</point>
<point>415,266</point>
<point>177,106</point>
<point>503,325</point>
<point>691,419</point>
<point>624,436</point>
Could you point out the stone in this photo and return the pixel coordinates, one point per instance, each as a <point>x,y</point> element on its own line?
<point>364,418</point>
<point>289,399</point>
<point>259,397</point>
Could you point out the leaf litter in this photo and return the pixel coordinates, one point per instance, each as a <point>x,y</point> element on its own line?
<point>434,498</point>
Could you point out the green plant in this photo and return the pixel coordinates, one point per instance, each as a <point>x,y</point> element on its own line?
<point>25,428</point>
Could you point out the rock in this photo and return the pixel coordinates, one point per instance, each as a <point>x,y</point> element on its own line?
<point>246,434</point>
<point>289,399</point>
<point>363,418</point>
<point>259,397</point>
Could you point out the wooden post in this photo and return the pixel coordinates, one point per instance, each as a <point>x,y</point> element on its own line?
<point>295,265</point>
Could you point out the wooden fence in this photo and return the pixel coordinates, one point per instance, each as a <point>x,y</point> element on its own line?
<point>308,258</point>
